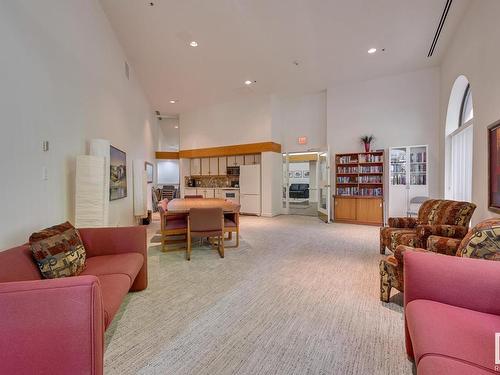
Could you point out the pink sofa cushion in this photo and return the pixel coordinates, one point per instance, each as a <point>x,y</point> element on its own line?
<point>17,264</point>
<point>436,364</point>
<point>455,332</point>
<point>128,264</point>
<point>114,288</point>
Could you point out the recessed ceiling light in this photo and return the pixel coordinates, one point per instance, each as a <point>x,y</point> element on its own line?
<point>372,50</point>
<point>173,101</point>
<point>247,82</point>
<point>176,126</point>
<point>194,43</point>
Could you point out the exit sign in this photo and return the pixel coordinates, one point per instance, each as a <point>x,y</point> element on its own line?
<point>302,140</point>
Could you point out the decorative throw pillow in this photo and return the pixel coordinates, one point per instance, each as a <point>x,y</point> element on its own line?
<point>58,251</point>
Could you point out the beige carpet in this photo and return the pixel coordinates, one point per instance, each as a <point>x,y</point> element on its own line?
<point>298,297</point>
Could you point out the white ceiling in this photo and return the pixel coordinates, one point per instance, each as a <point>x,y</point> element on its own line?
<point>260,39</point>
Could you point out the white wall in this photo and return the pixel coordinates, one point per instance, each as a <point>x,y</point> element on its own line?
<point>246,120</point>
<point>271,181</point>
<point>299,115</point>
<point>63,81</point>
<point>475,53</point>
<point>398,110</point>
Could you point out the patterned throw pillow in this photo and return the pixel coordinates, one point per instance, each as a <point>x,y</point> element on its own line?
<point>58,251</point>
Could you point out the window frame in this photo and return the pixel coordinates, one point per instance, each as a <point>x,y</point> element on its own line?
<point>467,94</point>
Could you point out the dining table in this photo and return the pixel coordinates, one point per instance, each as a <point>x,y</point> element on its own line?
<point>183,205</point>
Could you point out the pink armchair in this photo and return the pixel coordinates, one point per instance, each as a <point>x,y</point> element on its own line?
<point>452,311</point>
<point>57,326</point>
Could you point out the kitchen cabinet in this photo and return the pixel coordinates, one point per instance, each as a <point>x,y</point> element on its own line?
<point>196,167</point>
<point>257,158</point>
<point>222,166</point>
<point>205,166</point>
<point>240,160</point>
<point>249,159</point>
<point>214,167</point>
<point>206,192</point>
<point>188,191</point>
<point>231,161</point>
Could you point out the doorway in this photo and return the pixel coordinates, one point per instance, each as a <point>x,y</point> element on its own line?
<point>305,184</point>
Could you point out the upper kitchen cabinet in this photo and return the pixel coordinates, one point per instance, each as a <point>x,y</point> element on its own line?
<point>222,166</point>
<point>231,161</point>
<point>205,166</point>
<point>214,167</point>
<point>196,167</point>
<point>252,159</point>
<point>240,160</point>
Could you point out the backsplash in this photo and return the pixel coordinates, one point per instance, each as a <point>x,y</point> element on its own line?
<point>212,181</point>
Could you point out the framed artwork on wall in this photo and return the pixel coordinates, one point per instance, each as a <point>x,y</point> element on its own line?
<point>297,174</point>
<point>494,167</point>
<point>118,174</point>
<point>149,172</point>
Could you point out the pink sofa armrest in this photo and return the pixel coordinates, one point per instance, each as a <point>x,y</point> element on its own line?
<point>52,326</point>
<point>118,240</point>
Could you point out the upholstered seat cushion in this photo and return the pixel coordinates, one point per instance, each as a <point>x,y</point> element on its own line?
<point>228,223</point>
<point>176,224</point>
<point>439,329</point>
<point>437,364</point>
<point>128,264</point>
<point>114,288</point>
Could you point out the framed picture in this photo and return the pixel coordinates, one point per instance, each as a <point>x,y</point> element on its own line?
<point>297,174</point>
<point>290,174</point>
<point>494,167</point>
<point>118,174</point>
<point>149,172</point>
<point>305,174</point>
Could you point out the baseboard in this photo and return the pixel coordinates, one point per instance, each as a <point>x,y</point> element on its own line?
<point>265,214</point>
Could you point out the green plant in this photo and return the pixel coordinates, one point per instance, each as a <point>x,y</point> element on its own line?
<point>367,139</point>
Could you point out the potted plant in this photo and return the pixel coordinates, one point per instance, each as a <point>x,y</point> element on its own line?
<point>367,140</point>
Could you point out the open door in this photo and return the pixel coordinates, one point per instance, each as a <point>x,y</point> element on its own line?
<point>323,176</point>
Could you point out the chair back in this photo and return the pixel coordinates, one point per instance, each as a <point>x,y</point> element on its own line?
<point>441,211</point>
<point>193,196</point>
<point>482,241</point>
<point>208,219</point>
<point>168,191</point>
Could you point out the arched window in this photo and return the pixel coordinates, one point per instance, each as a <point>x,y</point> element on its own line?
<point>459,142</point>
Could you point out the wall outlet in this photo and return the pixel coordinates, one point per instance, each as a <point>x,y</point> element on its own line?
<point>45,146</point>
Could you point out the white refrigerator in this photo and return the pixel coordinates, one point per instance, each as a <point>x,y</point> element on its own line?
<point>250,189</point>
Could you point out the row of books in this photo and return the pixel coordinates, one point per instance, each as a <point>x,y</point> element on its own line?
<point>415,179</point>
<point>347,170</point>
<point>363,192</point>
<point>370,158</point>
<point>418,157</point>
<point>371,169</point>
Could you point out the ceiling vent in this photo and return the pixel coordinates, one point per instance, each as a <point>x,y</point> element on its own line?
<point>440,27</point>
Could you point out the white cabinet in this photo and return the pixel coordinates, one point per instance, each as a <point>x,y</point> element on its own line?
<point>189,191</point>
<point>252,159</point>
<point>408,178</point>
<point>240,160</point>
<point>214,167</point>
<point>195,167</point>
<point>206,192</point>
<point>222,166</point>
<point>231,161</point>
<point>205,166</point>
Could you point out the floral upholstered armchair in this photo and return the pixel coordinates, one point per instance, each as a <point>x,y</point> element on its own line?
<point>436,217</point>
<point>482,241</point>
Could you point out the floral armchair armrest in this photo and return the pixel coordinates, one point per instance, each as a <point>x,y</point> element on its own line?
<point>443,245</point>
<point>402,222</point>
<point>401,249</point>
<point>442,230</point>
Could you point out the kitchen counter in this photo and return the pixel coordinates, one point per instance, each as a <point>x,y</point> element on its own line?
<point>219,188</point>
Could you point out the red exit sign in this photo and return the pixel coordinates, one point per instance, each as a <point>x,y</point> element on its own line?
<point>302,140</point>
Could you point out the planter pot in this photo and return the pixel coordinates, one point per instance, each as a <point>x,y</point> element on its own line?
<point>367,147</point>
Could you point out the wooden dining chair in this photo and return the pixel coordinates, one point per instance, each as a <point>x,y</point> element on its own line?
<point>206,222</point>
<point>172,225</point>
<point>232,225</point>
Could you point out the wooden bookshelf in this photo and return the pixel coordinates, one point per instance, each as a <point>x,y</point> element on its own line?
<point>359,187</point>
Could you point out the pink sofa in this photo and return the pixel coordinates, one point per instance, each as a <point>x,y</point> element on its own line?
<point>452,312</point>
<point>57,326</point>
